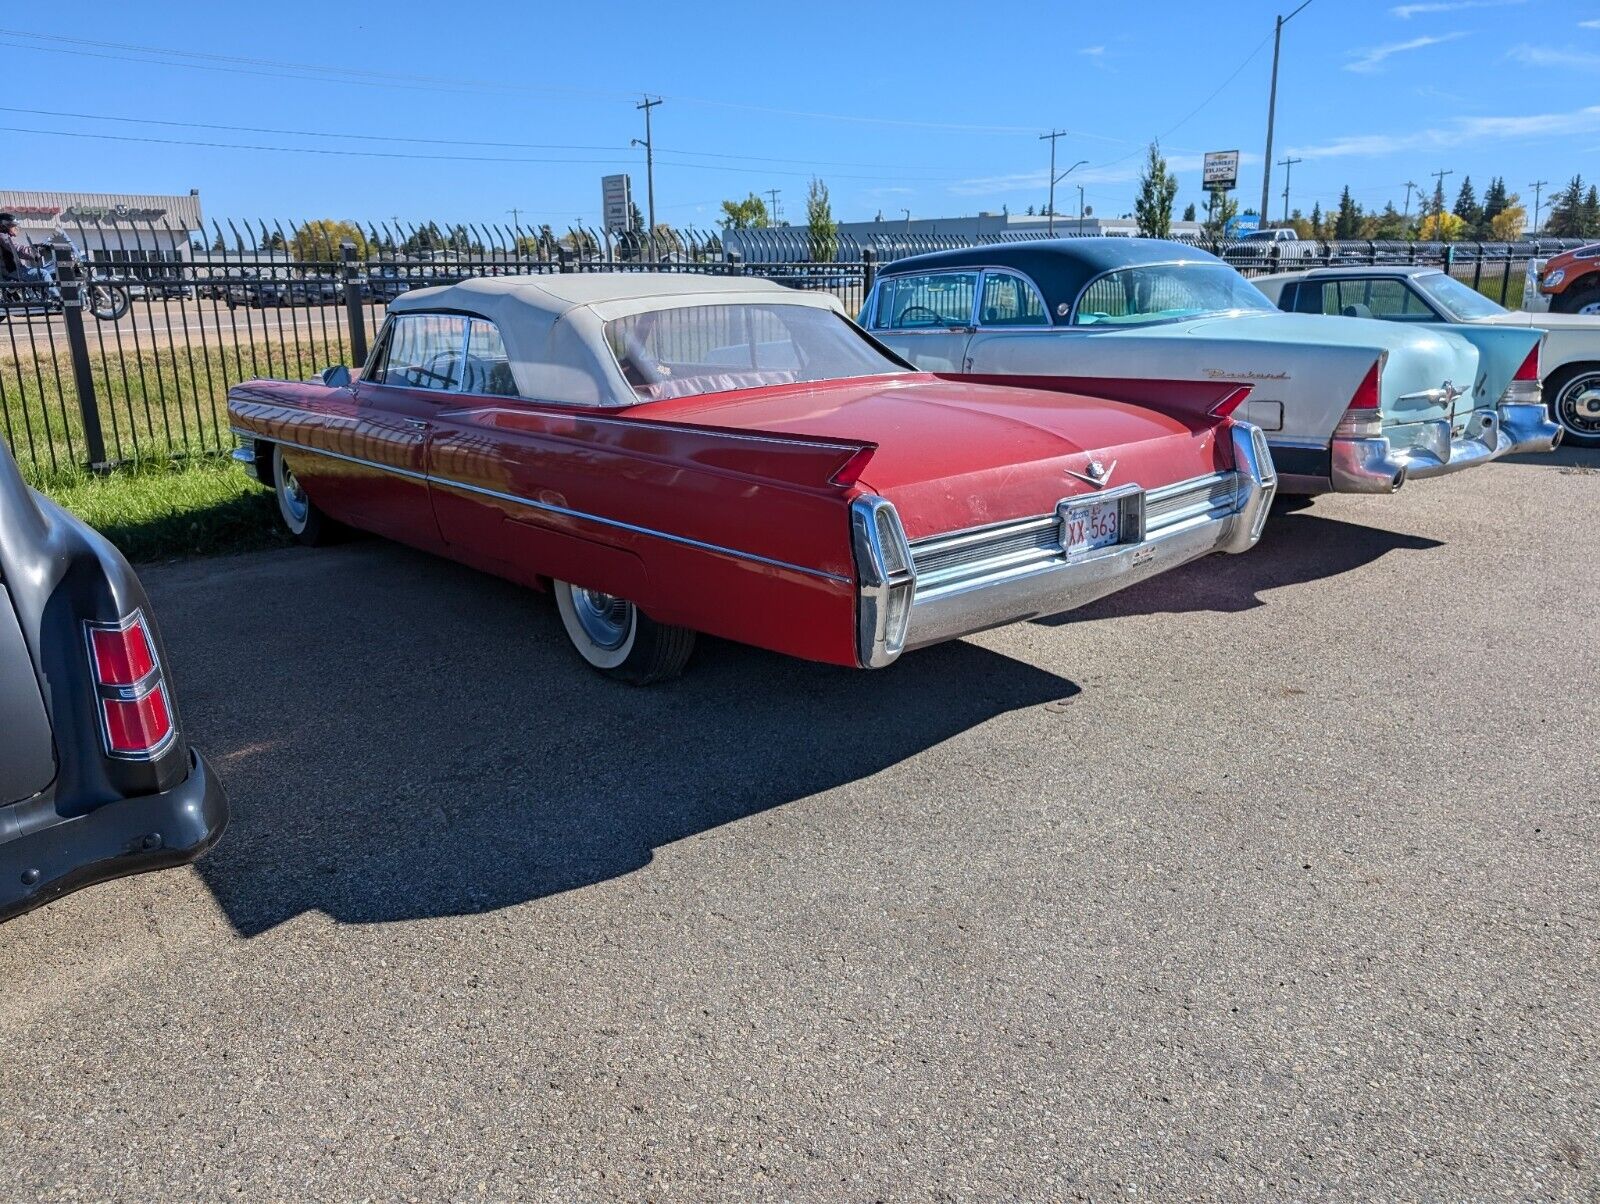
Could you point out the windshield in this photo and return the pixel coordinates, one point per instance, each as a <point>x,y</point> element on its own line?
<point>715,348</point>
<point>1164,292</point>
<point>1456,299</point>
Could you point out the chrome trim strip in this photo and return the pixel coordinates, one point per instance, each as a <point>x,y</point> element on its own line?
<point>567,512</point>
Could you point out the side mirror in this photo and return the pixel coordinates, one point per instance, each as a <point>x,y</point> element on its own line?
<point>337,377</point>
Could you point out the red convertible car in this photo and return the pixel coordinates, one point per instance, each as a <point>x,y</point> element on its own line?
<point>672,454</point>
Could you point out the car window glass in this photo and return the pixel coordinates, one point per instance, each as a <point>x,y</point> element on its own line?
<point>1165,292</point>
<point>927,302</point>
<point>696,349</point>
<point>423,351</point>
<point>487,369</point>
<point>1009,300</point>
<point>1389,299</point>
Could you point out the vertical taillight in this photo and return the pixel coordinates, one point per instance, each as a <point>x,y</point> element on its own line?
<point>135,717</point>
<point>1525,388</point>
<point>1363,416</point>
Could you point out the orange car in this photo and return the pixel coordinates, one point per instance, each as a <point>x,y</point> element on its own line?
<point>1572,281</point>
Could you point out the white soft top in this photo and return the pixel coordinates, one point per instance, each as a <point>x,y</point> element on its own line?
<point>553,326</point>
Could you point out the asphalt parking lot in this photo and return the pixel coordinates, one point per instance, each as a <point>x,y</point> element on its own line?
<point>1276,877</point>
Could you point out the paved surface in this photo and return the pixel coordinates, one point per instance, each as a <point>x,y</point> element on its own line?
<point>1276,878</point>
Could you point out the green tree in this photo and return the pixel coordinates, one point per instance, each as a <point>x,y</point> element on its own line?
<point>1347,222</point>
<point>1508,224</point>
<point>272,241</point>
<point>1591,212</point>
<point>1436,205</point>
<point>1221,209</point>
<point>1316,220</point>
<point>1389,226</point>
<point>748,214</point>
<point>320,239</point>
<point>1188,212</point>
<point>219,245</point>
<point>822,230</point>
<point>1030,211</point>
<point>1566,211</point>
<point>1467,207</point>
<point>1494,204</point>
<point>635,219</point>
<point>1158,188</point>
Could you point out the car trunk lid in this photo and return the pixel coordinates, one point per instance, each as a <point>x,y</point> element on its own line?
<point>954,453</point>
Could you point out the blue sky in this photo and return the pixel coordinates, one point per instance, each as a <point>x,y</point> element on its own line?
<point>526,105</point>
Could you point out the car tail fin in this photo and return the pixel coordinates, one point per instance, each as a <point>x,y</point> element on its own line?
<point>1195,401</point>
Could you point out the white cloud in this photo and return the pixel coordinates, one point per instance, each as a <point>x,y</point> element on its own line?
<point>1094,52</point>
<point>1372,58</point>
<point>1589,24</point>
<point>1463,131</point>
<point>1548,56</point>
<point>1406,11</point>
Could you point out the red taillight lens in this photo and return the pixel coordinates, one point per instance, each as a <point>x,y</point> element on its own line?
<point>1368,396</point>
<point>1530,366</point>
<point>137,727</point>
<point>135,716</point>
<point>122,656</point>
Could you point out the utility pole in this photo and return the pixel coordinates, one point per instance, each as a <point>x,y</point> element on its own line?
<point>1438,194</point>
<point>649,169</point>
<point>907,212</point>
<point>1288,167</point>
<point>1405,214</point>
<point>773,213</point>
<point>516,217</point>
<point>1080,209</point>
<point>1050,209</point>
<point>1272,109</point>
<point>1538,189</point>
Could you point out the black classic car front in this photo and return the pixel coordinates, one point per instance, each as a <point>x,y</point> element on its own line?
<point>96,778</point>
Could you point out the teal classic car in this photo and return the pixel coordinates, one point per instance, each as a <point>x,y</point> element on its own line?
<point>1359,406</point>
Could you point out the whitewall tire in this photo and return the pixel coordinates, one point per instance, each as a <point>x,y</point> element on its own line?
<point>616,638</point>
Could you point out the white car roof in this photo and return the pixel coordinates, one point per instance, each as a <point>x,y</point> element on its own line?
<point>553,326</point>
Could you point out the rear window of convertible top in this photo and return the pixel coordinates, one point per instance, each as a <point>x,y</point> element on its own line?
<point>697,349</point>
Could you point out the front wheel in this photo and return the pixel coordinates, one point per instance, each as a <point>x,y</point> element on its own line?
<point>1573,395</point>
<point>618,639</point>
<point>108,302</point>
<point>299,513</point>
<point>1577,301</point>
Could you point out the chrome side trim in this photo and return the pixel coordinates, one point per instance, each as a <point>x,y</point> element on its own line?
<point>564,511</point>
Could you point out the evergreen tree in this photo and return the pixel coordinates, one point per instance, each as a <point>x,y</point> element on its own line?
<point>635,219</point>
<point>1158,188</point>
<point>1566,211</point>
<point>1348,222</point>
<point>1436,206</point>
<point>1221,209</point>
<point>1316,220</point>
<point>1467,207</point>
<point>1494,204</point>
<point>1591,212</point>
<point>1390,225</point>
<point>1188,212</point>
<point>1030,212</point>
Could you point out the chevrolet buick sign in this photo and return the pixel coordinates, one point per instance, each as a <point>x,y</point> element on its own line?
<point>1221,171</point>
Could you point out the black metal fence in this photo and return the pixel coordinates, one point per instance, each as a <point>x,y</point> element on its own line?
<point>127,357</point>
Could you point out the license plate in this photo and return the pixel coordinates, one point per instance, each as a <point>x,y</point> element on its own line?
<point>1091,524</point>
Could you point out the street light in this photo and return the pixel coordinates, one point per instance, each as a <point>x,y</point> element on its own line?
<point>1054,180</point>
<point>1272,111</point>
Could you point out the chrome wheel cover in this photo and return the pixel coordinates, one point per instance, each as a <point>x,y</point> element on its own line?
<point>1578,405</point>
<point>292,498</point>
<point>605,619</point>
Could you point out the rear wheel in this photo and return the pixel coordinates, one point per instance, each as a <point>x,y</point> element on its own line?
<point>618,639</point>
<point>299,513</point>
<point>1573,395</point>
<point>1578,300</point>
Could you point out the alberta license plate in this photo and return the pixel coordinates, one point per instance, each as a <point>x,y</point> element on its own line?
<point>1091,524</point>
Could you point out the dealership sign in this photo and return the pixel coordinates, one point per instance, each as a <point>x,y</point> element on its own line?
<point>616,202</point>
<point>1221,171</point>
<point>97,214</point>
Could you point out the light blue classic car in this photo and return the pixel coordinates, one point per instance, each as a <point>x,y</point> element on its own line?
<point>1358,406</point>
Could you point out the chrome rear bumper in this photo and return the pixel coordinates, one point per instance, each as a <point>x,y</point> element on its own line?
<point>1376,465</point>
<point>971,581</point>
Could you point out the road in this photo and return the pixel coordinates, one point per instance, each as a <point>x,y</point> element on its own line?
<point>1275,878</point>
<point>154,324</point>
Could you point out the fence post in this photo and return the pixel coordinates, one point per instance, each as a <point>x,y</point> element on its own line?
<point>69,274</point>
<point>354,309</point>
<point>1477,268</point>
<point>734,261</point>
<point>1449,257</point>
<point>869,272</point>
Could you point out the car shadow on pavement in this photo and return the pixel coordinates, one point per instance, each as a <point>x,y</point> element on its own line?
<point>402,737</point>
<point>1568,455</point>
<point>1296,547</point>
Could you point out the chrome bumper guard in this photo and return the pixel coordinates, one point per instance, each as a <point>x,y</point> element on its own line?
<point>246,456</point>
<point>937,589</point>
<point>1375,465</point>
